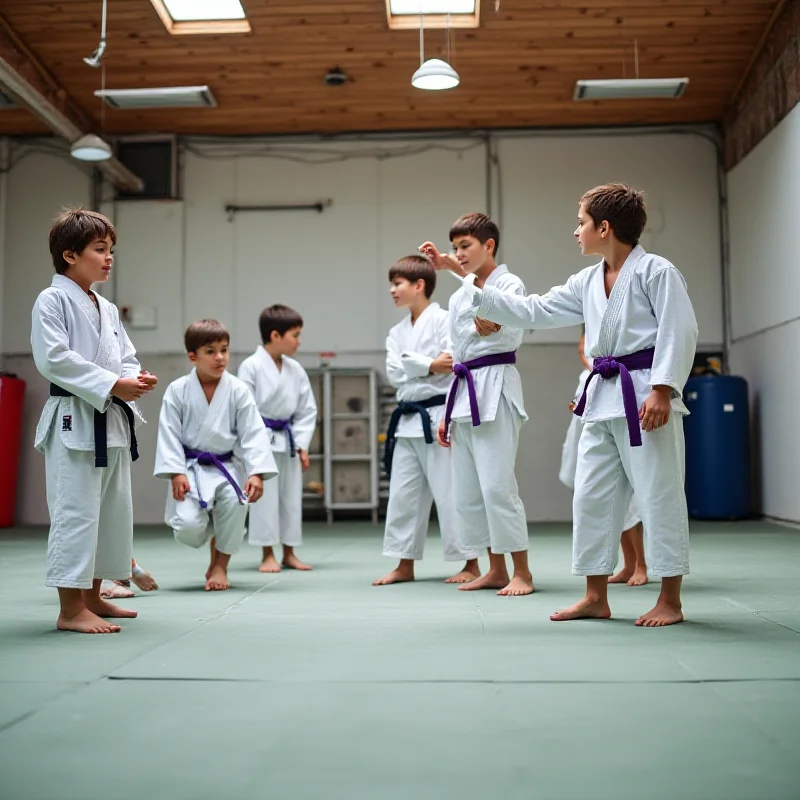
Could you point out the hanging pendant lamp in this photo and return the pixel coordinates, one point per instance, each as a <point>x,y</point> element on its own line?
<point>434,74</point>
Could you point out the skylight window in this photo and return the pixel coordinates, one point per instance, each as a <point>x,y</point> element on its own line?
<point>202,16</point>
<point>405,14</point>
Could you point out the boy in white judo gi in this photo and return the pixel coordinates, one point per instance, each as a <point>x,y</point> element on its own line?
<point>486,407</point>
<point>642,333</point>
<point>209,435</point>
<point>419,364</point>
<point>287,407</point>
<point>87,427</point>
<point>634,568</point>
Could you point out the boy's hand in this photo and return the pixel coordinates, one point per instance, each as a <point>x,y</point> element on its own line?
<point>254,488</point>
<point>442,364</point>
<point>655,411</point>
<point>148,379</point>
<point>486,328</point>
<point>305,461</point>
<point>128,389</point>
<point>442,437</point>
<point>572,405</point>
<point>180,486</point>
<point>441,261</point>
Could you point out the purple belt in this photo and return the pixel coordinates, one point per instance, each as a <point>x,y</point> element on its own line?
<point>213,460</point>
<point>465,371</point>
<point>609,366</point>
<point>283,425</point>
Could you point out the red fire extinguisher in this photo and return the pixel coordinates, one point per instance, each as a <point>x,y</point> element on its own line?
<point>12,393</point>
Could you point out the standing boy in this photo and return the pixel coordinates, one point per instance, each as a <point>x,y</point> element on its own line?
<point>87,427</point>
<point>286,404</point>
<point>486,408</point>
<point>209,434</point>
<point>642,332</point>
<point>419,364</point>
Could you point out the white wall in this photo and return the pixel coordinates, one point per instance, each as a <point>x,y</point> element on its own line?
<point>188,261</point>
<point>765,307</point>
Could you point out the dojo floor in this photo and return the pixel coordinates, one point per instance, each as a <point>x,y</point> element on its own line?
<point>320,686</point>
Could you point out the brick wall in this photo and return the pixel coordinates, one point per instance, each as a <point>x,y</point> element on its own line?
<point>771,91</point>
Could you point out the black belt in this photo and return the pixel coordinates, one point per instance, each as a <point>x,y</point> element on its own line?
<point>406,409</point>
<point>100,430</point>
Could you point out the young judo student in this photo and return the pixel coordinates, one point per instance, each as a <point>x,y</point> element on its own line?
<point>87,426</point>
<point>209,434</point>
<point>286,404</point>
<point>486,408</point>
<point>634,569</point>
<point>642,333</point>
<point>419,365</point>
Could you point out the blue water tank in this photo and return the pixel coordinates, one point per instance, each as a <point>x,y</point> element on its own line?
<point>717,447</point>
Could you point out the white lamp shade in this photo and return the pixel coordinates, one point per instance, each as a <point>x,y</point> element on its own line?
<point>91,148</point>
<point>435,75</point>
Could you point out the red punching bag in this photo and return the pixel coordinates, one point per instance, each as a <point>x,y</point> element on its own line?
<point>12,393</point>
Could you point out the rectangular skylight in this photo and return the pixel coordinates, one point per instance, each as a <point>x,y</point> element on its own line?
<point>161,97</point>
<point>630,89</point>
<point>202,16</point>
<point>405,14</point>
<point>204,10</point>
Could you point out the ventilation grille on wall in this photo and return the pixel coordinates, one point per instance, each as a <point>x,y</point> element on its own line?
<point>163,97</point>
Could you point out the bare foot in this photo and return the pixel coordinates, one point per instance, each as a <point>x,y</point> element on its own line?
<point>518,586</point>
<point>623,576</point>
<point>491,580</point>
<point>662,614</point>
<point>293,562</point>
<point>399,575</point>
<point>86,622</point>
<point>269,564</point>
<point>105,609</point>
<point>584,609</point>
<point>465,576</point>
<point>639,578</point>
<point>217,581</point>
<point>109,589</point>
<point>144,580</point>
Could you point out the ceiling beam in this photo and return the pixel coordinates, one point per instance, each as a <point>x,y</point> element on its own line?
<point>23,75</point>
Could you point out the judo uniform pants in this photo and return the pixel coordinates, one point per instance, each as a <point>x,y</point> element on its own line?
<point>91,516</point>
<point>421,475</point>
<point>277,518</point>
<point>608,470</point>
<point>189,522</point>
<point>488,507</point>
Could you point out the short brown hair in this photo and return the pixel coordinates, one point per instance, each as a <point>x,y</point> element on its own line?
<point>621,206</point>
<point>74,229</point>
<point>478,225</point>
<point>278,318</point>
<point>206,331</point>
<point>415,268</point>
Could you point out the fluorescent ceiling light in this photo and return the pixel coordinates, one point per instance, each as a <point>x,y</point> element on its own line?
<point>405,14</point>
<point>630,89</point>
<point>91,148</point>
<point>435,75</point>
<point>204,10</point>
<point>398,7</point>
<point>160,97</point>
<point>198,17</point>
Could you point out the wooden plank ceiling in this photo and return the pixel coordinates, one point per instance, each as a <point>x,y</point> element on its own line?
<point>517,69</point>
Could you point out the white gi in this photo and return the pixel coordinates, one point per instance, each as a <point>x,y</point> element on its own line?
<point>569,456</point>
<point>281,394</point>
<point>84,349</point>
<point>229,423</point>
<point>489,509</point>
<point>421,472</point>
<point>648,307</point>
